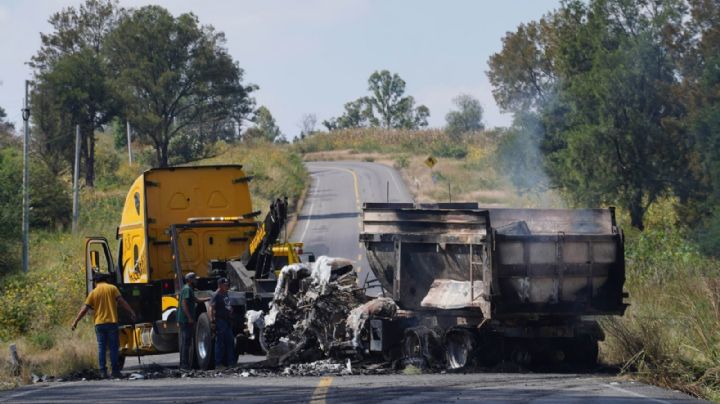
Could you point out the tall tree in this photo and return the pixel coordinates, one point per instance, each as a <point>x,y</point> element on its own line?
<point>307,125</point>
<point>53,139</point>
<point>173,73</point>
<point>265,127</point>
<point>386,106</point>
<point>358,114</point>
<point>699,57</point>
<point>394,110</point>
<point>601,83</point>
<point>7,130</point>
<point>467,118</point>
<point>72,77</point>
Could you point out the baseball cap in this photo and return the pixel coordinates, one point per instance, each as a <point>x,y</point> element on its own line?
<point>223,281</point>
<point>190,276</point>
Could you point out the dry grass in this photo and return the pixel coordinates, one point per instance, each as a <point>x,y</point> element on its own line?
<point>466,170</point>
<point>71,352</point>
<point>670,335</point>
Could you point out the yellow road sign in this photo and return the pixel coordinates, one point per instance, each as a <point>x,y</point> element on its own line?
<point>430,161</point>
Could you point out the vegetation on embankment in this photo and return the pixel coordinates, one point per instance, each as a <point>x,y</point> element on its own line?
<point>670,334</point>
<point>36,308</point>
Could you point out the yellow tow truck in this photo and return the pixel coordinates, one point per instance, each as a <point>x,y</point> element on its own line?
<point>190,219</point>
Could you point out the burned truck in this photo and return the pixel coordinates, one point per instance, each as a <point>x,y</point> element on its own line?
<point>478,286</point>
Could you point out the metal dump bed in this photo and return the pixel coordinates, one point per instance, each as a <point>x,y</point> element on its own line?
<point>504,262</point>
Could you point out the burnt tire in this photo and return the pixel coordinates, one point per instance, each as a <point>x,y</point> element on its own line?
<point>460,347</point>
<point>422,345</point>
<point>204,352</point>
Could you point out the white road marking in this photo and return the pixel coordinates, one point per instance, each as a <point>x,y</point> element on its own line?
<point>35,390</point>
<point>310,211</point>
<point>635,394</point>
<point>392,175</point>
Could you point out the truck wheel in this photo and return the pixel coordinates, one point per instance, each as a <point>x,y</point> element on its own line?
<point>204,344</point>
<point>423,345</point>
<point>459,348</point>
<point>490,349</point>
<point>583,350</point>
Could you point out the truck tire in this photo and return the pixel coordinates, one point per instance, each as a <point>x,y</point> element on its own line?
<point>583,350</point>
<point>204,343</point>
<point>422,345</point>
<point>460,347</point>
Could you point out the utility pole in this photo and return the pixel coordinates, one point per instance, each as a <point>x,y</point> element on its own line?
<point>129,145</point>
<point>26,182</point>
<point>76,174</point>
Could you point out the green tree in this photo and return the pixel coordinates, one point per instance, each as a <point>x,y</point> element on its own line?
<point>386,106</point>
<point>10,214</point>
<point>700,191</point>
<point>172,74</point>
<point>265,127</point>
<point>72,81</point>
<point>358,114</point>
<point>467,118</point>
<point>7,130</point>
<point>53,137</point>
<point>600,81</point>
<point>394,111</point>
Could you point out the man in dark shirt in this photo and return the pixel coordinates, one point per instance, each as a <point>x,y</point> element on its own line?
<point>186,318</point>
<point>220,311</point>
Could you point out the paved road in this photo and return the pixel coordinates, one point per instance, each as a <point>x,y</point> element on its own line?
<point>492,388</point>
<point>330,221</point>
<point>329,224</point>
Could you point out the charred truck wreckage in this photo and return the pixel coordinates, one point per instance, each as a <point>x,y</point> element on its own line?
<point>461,286</point>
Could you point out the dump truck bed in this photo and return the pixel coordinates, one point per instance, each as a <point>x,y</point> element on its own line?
<point>503,263</point>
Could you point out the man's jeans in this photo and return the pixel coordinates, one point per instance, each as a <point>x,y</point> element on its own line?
<point>107,337</point>
<point>186,338</point>
<point>224,343</point>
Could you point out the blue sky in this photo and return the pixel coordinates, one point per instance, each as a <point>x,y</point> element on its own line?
<point>313,56</point>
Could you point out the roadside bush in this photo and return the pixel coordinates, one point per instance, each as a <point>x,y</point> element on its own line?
<point>450,150</point>
<point>670,334</point>
<point>50,199</point>
<point>10,214</point>
<point>402,161</point>
<point>708,236</point>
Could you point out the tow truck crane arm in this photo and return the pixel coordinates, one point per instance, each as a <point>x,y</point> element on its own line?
<point>258,256</point>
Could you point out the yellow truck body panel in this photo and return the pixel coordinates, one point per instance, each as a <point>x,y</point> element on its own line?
<point>161,197</point>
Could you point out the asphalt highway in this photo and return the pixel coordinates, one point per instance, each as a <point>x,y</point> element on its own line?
<point>330,221</point>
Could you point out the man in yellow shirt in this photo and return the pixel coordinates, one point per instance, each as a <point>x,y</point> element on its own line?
<point>103,300</point>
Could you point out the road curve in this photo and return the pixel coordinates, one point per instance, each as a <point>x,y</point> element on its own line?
<point>330,221</point>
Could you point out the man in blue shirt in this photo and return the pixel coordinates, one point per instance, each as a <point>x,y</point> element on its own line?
<point>220,312</point>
